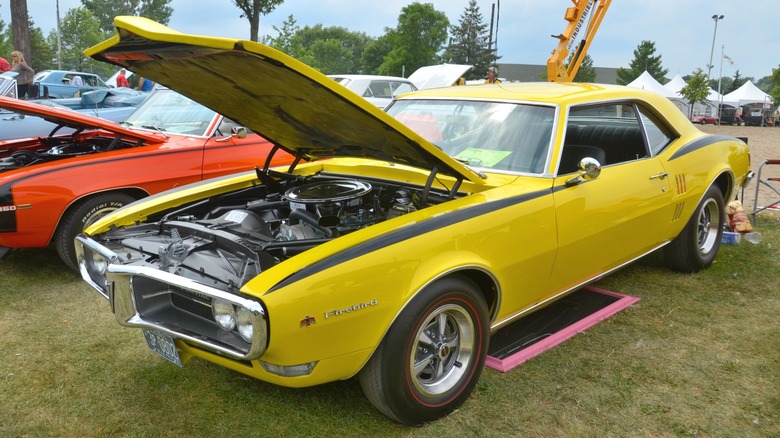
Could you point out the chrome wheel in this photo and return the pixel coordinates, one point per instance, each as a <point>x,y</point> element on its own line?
<point>709,226</point>
<point>444,347</point>
<point>432,356</point>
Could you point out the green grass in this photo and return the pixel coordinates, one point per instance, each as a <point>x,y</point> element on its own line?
<point>699,355</point>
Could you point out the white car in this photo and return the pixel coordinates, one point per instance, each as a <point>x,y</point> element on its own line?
<point>379,90</point>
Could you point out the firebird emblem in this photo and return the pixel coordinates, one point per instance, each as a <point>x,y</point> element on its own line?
<point>308,321</point>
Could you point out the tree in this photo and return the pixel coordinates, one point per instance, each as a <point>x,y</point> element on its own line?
<point>737,82</point>
<point>252,10</point>
<point>469,43</point>
<point>43,55</point>
<point>586,72</point>
<point>80,29</point>
<point>330,49</point>
<point>775,92</point>
<point>696,90</point>
<point>417,40</point>
<point>285,40</point>
<point>20,28</point>
<point>764,84</point>
<point>644,60</point>
<point>105,11</point>
<point>5,40</point>
<point>374,54</point>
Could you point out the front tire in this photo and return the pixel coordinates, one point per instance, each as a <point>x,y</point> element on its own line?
<point>432,356</point>
<point>81,216</point>
<point>697,245</point>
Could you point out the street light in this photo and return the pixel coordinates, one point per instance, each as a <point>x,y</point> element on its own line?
<point>715,17</point>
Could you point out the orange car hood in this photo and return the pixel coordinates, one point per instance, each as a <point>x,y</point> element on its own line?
<point>73,119</point>
<point>276,96</point>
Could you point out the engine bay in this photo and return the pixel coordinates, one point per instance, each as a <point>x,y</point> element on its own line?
<point>227,240</point>
<point>56,148</point>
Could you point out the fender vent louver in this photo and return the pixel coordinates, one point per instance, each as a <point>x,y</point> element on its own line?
<point>681,184</point>
<point>678,211</point>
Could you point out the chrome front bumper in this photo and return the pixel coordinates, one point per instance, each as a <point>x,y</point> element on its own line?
<point>146,297</point>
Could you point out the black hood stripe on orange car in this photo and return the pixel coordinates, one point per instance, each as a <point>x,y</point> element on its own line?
<point>409,232</point>
<point>5,189</point>
<point>700,143</point>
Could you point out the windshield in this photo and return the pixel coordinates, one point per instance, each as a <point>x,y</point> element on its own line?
<point>491,135</point>
<point>7,86</point>
<point>168,111</point>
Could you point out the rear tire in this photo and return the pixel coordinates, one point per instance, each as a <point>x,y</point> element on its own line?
<point>81,216</point>
<point>697,245</point>
<point>432,356</point>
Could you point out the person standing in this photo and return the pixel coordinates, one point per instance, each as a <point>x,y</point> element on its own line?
<point>145,84</point>
<point>25,74</point>
<point>121,79</point>
<point>4,65</point>
<point>492,76</point>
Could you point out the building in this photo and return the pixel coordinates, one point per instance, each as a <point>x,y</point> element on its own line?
<point>538,73</point>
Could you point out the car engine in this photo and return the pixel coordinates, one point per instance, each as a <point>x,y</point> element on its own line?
<point>225,241</point>
<point>49,149</point>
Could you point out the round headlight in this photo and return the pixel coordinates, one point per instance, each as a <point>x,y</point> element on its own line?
<point>244,323</point>
<point>224,313</point>
<point>98,264</point>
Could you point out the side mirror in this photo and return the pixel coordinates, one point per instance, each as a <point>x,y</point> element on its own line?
<point>239,132</point>
<point>590,169</point>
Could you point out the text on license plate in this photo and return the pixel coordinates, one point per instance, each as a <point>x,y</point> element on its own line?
<point>162,344</point>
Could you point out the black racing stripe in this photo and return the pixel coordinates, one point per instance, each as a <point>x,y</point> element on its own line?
<point>406,233</point>
<point>7,210</point>
<point>5,189</point>
<point>7,221</point>
<point>700,143</point>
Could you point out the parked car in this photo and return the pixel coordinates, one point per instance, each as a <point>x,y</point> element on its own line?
<point>110,104</point>
<point>729,116</point>
<point>379,90</point>
<point>704,120</point>
<point>8,84</point>
<point>406,237</point>
<point>56,84</point>
<point>52,187</point>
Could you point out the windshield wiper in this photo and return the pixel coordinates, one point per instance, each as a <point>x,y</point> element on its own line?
<point>156,128</point>
<point>467,162</point>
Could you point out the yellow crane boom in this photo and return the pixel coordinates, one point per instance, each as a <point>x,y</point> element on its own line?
<point>585,16</point>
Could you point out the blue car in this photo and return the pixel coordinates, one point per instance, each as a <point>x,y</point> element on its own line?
<point>113,104</point>
<point>56,84</point>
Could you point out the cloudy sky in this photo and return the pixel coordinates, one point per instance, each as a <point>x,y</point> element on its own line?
<point>681,29</point>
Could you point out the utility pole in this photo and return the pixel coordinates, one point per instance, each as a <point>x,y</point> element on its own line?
<point>715,17</point>
<point>59,39</point>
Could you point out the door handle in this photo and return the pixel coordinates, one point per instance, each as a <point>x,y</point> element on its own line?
<point>661,175</point>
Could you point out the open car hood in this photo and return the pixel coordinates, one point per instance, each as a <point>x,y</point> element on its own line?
<point>435,76</point>
<point>287,102</point>
<point>69,118</point>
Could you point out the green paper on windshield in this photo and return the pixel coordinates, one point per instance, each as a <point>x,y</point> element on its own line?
<point>482,157</point>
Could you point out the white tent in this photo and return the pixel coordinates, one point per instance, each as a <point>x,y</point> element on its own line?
<point>747,93</point>
<point>646,81</point>
<point>676,84</point>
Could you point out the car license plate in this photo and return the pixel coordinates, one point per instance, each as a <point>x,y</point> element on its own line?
<point>162,344</point>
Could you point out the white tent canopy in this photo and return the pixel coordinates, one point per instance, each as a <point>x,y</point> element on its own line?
<point>747,93</point>
<point>676,84</point>
<point>645,81</point>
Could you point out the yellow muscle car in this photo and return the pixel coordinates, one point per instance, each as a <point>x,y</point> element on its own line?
<point>397,241</point>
